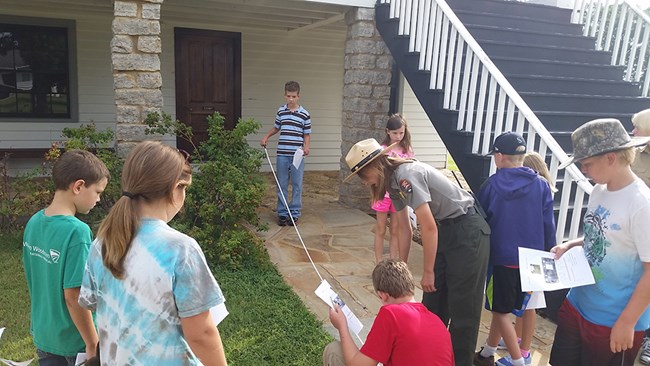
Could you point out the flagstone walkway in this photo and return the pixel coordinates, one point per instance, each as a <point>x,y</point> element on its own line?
<point>340,240</point>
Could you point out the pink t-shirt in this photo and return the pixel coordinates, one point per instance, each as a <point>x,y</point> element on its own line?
<point>398,152</point>
<point>386,205</point>
<point>408,334</point>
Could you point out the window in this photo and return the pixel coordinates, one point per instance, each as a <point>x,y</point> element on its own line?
<point>34,71</point>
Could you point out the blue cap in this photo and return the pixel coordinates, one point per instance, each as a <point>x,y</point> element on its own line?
<point>509,143</point>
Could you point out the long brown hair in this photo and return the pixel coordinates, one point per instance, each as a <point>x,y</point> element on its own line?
<point>395,122</point>
<point>384,166</point>
<point>151,172</point>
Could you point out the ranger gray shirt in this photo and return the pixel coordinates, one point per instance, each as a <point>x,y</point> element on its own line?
<point>413,184</point>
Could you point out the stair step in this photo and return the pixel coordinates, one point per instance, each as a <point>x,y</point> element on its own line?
<point>516,8</point>
<point>517,22</point>
<point>584,103</point>
<point>543,52</point>
<point>569,121</point>
<point>558,84</point>
<point>569,85</point>
<point>586,70</point>
<point>546,68</point>
<point>550,37</point>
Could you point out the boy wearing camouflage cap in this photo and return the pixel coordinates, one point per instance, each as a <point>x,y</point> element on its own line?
<point>604,323</point>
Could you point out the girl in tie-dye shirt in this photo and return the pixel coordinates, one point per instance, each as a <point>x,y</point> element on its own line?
<point>149,284</point>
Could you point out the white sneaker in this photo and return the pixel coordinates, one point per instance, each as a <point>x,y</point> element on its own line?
<point>645,352</point>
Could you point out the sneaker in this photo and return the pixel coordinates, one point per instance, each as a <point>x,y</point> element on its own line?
<point>507,360</point>
<point>290,223</point>
<point>644,358</point>
<point>502,344</point>
<point>283,220</point>
<point>482,361</point>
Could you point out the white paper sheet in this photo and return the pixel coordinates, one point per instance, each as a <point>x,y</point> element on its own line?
<point>325,293</point>
<point>297,157</point>
<point>219,313</point>
<point>10,362</point>
<point>81,358</point>
<point>14,363</point>
<point>537,301</point>
<point>413,218</point>
<point>539,270</point>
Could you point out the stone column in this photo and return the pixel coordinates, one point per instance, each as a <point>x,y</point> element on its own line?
<point>135,56</point>
<point>366,95</point>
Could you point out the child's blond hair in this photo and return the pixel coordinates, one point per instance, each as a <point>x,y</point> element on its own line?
<point>536,162</point>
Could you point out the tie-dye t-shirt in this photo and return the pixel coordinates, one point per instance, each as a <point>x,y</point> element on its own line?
<point>138,317</point>
<point>615,243</point>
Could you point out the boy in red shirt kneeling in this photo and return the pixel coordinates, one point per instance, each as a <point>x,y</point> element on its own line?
<point>404,333</point>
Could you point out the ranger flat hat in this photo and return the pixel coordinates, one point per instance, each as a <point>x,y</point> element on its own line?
<point>362,154</point>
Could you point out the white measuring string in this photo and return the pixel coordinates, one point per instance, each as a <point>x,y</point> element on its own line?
<point>284,200</point>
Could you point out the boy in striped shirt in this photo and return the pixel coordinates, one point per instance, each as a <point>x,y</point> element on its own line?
<point>294,124</point>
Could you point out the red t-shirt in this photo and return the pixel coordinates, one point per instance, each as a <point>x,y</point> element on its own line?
<point>408,334</point>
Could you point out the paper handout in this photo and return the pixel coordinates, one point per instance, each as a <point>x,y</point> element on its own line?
<point>81,358</point>
<point>10,362</point>
<point>219,313</point>
<point>539,271</point>
<point>325,293</point>
<point>297,157</point>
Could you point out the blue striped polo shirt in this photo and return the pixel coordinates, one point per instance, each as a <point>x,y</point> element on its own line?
<point>293,126</point>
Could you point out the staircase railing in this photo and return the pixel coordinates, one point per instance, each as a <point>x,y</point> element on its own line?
<point>486,102</point>
<point>622,28</point>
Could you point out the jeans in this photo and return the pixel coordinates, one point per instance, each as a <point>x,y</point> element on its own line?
<point>49,359</point>
<point>286,171</point>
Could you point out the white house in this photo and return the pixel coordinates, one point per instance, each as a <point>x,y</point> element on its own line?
<point>110,62</point>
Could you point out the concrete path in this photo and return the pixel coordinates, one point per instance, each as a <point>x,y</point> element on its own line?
<point>340,241</point>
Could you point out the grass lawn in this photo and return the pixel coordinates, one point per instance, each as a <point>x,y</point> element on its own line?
<point>268,324</point>
<point>451,164</point>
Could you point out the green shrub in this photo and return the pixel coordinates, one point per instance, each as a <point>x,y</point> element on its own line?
<point>227,188</point>
<point>26,193</point>
<point>23,195</point>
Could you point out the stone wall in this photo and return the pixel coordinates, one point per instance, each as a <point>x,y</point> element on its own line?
<point>135,56</point>
<point>366,95</point>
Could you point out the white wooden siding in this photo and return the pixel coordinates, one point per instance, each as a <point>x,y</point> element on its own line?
<point>427,145</point>
<point>269,59</point>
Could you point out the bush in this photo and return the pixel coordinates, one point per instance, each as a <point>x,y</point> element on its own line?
<point>227,188</point>
<point>23,195</point>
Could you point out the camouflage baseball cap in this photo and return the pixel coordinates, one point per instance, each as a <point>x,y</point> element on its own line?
<point>600,136</point>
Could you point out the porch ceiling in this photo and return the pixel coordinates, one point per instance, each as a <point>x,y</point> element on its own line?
<point>289,15</point>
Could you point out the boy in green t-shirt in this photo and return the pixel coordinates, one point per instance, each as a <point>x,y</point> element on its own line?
<point>55,248</point>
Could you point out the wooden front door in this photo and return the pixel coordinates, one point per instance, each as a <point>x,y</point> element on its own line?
<point>208,79</point>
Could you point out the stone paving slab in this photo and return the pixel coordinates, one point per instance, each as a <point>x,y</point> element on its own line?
<point>340,241</point>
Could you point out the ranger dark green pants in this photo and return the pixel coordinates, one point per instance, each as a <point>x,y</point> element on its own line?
<point>460,269</point>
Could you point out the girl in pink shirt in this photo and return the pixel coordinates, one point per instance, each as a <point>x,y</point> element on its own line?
<point>398,139</point>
